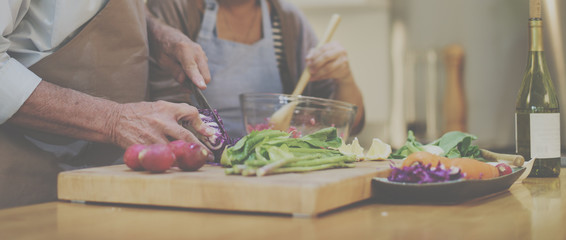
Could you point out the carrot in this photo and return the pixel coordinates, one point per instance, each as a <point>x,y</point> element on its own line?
<point>424,158</point>
<point>473,169</point>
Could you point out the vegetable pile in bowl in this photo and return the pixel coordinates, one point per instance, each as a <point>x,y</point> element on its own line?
<point>420,173</point>
<point>452,144</point>
<point>425,167</point>
<point>451,157</point>
<point>309,114</point>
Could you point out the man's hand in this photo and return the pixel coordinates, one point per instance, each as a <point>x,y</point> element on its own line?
<point>102,120</point>
<point>155,122</point>
<point>176,53</point>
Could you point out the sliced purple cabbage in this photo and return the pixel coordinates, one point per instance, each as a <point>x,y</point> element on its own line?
<point>419,173</point>
<point>218,142</point>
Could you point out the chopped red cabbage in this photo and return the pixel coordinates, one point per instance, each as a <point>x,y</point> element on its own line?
<point>419,173</point>
<point>219,141</point>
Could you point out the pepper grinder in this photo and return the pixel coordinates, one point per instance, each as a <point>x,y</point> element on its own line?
<point>455,108</point>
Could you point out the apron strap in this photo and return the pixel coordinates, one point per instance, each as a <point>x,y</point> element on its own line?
<point>266,22</point>
<point>209,20</point>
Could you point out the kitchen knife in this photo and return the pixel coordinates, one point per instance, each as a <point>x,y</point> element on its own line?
<point>201,100</point>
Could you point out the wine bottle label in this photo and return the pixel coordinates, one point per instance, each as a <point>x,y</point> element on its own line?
<point>545,135</point>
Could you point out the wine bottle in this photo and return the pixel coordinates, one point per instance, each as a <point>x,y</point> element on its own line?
<point>537,114</point>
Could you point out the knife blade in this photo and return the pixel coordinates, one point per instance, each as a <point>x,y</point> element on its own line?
<point>203,103</point>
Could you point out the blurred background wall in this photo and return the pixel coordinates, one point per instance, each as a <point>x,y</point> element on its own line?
<point>493,34</point>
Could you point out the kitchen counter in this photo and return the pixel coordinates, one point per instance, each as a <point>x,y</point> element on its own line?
<point>534,209</point>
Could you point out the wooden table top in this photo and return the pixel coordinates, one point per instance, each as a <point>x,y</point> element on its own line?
<point>535,209</point>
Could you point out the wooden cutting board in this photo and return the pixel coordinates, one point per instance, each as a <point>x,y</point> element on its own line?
<point>209,188</point>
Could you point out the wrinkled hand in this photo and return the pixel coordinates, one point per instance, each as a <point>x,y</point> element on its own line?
<point>177,54</point>
<point>155,122</point>
<point>329,61</point>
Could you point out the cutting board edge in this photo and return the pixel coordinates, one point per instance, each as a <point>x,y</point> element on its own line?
<point>312,200</point>
<point>303,204</point>
<point>354,193</point>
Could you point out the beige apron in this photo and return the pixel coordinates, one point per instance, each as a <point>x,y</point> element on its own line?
<point>108,59</point>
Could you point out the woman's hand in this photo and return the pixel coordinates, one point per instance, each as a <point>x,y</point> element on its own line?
<point>155,122</point>
<point>176,53</point>
<point>329,61</point>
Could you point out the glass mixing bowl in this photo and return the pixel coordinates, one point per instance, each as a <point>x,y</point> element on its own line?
<point>309,114</point>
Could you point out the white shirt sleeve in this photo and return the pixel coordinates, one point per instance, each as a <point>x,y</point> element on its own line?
<point>16,81</point>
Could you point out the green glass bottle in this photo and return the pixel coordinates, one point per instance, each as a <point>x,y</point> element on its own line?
<point>537,114</point>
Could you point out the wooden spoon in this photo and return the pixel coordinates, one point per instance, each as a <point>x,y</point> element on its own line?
<point>281,119</point>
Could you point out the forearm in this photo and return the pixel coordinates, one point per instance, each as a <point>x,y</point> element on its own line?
<point>348,91</point>
<point>161,36</point>
<point>63,111</point>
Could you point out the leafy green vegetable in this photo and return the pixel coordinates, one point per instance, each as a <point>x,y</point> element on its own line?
<point>313,168</point>
<point>279,152</point>
<point>455,145</point>
<point>411,146</point>
<point>326,137</point>
<point>270,151</point>
<point>245,146</point>
<point>450,140</point>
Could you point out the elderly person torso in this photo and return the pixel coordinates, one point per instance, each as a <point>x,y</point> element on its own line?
<point>73,80</point>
